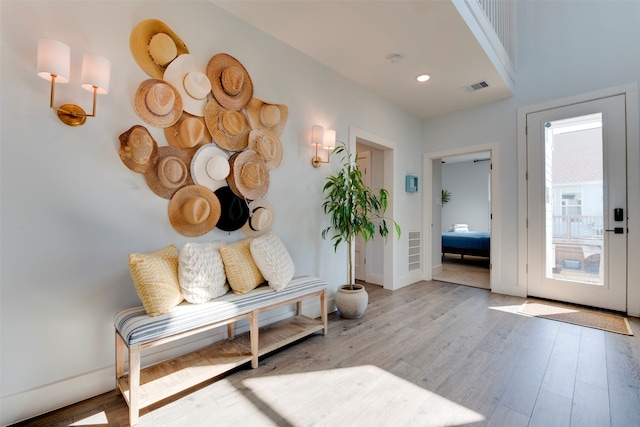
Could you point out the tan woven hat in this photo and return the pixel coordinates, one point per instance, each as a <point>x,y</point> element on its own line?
<point>267,145</point>
<point>210,167</point>
<point>249,175</point>
<point>189,133</point>
<point>230,82</point>
<point>263,115</point>
<point>138,149</point>
<point>229,128</point>
<point>260,218</point>
<point>154,45</point>
<point>170,173</point>
<point>158,103</point>
<point>194,210</point>
<point>187,74</point>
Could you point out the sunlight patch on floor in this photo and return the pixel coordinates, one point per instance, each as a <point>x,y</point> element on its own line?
<point>514,309</point>
<point>94,420</point>
<point>359,395</point>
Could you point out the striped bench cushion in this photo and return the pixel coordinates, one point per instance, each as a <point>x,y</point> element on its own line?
<point>136,327</point>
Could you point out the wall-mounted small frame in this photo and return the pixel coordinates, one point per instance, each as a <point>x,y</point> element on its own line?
<point>411,184</point>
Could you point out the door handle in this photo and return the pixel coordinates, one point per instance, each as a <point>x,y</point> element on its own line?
<point>617,230</point>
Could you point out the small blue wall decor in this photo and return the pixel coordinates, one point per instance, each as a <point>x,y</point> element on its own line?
<point>411,184</point>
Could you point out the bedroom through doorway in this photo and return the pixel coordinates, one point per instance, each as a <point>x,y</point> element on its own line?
<point>462,218</point>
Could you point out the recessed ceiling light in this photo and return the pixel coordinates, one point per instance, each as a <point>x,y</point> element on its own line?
<point>423,78</point>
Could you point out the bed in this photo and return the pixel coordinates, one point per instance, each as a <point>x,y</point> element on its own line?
<point>463,243</point>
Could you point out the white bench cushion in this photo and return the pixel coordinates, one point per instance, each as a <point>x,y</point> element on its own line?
<point>136,327</point>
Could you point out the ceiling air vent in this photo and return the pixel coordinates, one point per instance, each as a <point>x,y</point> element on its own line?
<point>476,86</point>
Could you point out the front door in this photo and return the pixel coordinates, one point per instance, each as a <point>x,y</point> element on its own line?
<point>577,216</point>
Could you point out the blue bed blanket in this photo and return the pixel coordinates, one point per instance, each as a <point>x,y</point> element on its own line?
<point>479,240</point>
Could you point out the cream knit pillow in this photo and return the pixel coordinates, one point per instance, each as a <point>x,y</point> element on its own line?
<point>201,272</point>
<point>273,260</point>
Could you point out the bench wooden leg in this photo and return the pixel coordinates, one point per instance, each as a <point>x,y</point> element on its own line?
<point>323,311</point>
<point>120,350</point>
<point>254,338</point>
<point>298,308</point>
<point>231,330</point>
<point>134,384</point>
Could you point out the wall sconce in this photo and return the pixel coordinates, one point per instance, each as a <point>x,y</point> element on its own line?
<point>324,138</point>
<point>54,59</point>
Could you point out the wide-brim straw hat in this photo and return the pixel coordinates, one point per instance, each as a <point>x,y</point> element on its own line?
<point>210,167</point>
<point>267,144</point>
<point>231,84</point>
<point>249,175</point>
<point>229,128</point>
<point>170,173</point>
<point>194,210</point>
<point>190,133</point>
<point>158,103</point>
<point>263,115</point>
<point>260,218</point>
<point>187,74</point>
<point>234,210</point>
<point>154,45</point>
<point>138,149</point>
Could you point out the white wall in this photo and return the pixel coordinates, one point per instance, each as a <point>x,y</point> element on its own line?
<point>468,183</point>
<point>71,212</point>
<point>564,48</point>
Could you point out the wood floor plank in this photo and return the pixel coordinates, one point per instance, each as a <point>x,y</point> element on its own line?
<point>590,406</point>
<point>551,410</point>
<point>560,376</point>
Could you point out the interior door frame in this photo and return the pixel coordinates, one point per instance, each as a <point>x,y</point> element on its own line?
<point>388,147</point>
<point>633,184</point>
<point>430,202</point>
<point>359,242</point>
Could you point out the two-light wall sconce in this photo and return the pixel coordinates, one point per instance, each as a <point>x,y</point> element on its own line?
<point>325,138</point>
<point>54,60</point>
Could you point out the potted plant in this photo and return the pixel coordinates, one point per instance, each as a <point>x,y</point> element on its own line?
<point>354,210</point>
<point>446,196</point>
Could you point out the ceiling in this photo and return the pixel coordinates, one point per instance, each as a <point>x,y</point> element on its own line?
<point>357,38</point>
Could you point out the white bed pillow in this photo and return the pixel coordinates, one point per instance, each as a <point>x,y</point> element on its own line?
<point>201,272</point>
<point>273,260</point>
<point>456,228</point>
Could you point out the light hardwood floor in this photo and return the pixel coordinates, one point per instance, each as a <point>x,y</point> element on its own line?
<point>430,354</point>
<point>469,271</point>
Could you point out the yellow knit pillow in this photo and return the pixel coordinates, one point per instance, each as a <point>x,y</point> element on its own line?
<point>242,272</point>
<point>155,277</point>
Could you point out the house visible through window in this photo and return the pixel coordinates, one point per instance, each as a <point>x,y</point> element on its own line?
<point>572,203</point>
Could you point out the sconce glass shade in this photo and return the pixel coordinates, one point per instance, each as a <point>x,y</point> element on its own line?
<point>317,134</point>
<point>54,57</point>
<point>329,140</point>
<point>96,71</point>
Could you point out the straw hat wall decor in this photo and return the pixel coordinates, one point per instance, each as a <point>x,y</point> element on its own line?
<point>222,142</point>
<point>154,45</point>
<point>190,132</point>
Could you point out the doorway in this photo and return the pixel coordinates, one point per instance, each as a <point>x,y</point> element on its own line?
<point>577,203</point>
<point>465,220</point>
<point>380,254</point>
<point>433,209</point>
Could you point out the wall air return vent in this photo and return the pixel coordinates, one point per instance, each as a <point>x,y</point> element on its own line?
<point>476,86</point>
<point>415,250</point>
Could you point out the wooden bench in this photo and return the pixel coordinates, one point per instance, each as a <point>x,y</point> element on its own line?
<point>136,331</point>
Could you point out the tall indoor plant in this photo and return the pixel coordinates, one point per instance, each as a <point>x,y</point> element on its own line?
<point>354,210</point>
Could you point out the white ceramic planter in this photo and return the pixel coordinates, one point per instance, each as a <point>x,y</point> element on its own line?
<point>352,303</point>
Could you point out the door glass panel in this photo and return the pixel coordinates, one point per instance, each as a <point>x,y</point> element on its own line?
<point>574,195</point>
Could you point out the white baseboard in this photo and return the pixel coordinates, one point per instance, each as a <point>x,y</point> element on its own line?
<point>31,403</point>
